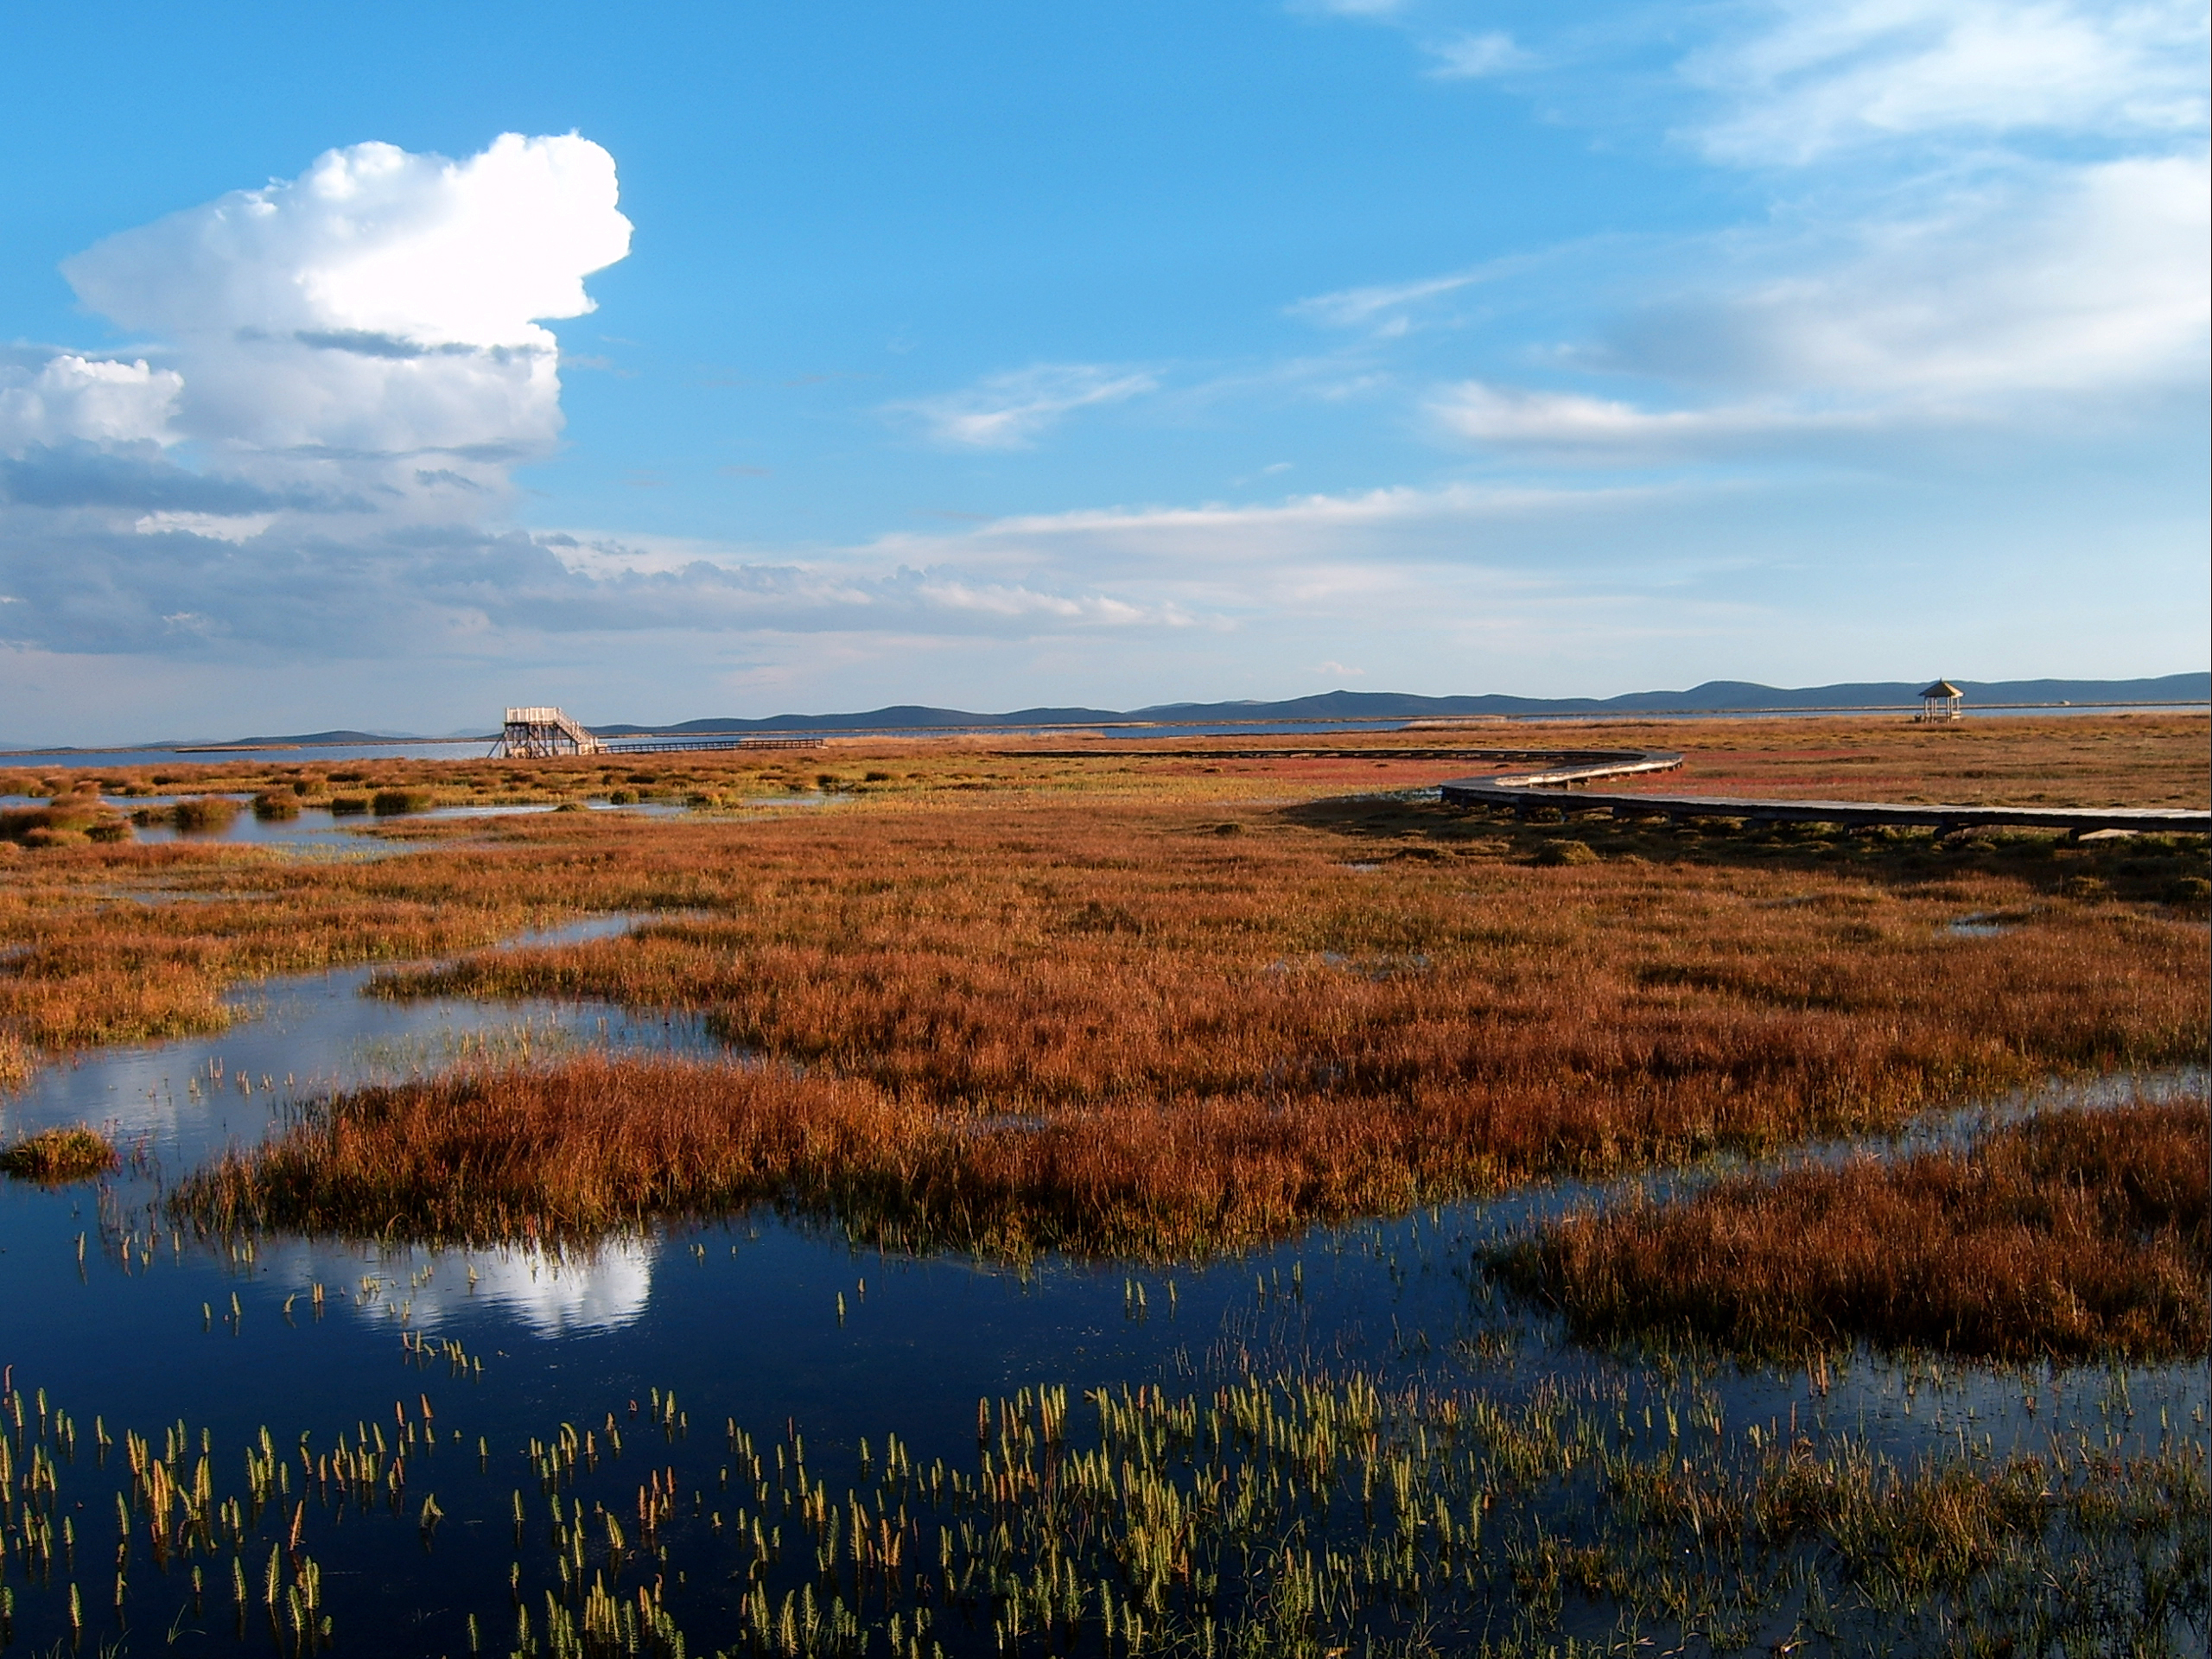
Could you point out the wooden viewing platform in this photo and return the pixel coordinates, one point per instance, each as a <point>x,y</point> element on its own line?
<point>539,733</point>
<point>1561,787</point>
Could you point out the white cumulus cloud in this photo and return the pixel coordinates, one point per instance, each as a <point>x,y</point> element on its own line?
<point>332,377</point>
<point>379,309</point>
<point>89,400</point>
<point>373,240</point>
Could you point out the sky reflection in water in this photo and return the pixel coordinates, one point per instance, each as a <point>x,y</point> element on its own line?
<point>770,1320</point>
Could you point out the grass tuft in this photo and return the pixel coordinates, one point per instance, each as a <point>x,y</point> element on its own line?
<point>65,821</point>
<point>205,813</point>
<point>1567,852</point>
<point>72,1154</point>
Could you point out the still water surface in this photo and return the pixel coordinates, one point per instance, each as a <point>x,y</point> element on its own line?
<point>777,1323</point>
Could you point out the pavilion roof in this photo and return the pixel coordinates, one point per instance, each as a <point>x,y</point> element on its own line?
<point>1942,689</point>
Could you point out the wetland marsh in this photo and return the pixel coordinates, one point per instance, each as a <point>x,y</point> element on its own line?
<point>1035,1205</point>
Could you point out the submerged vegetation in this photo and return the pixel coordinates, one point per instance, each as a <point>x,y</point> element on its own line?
<point>1286,1517</point>
<point>70,1154</point>
<point>2077,1234</point>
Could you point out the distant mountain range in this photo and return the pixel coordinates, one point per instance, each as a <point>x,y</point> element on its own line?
<point>1714,697</point>
<point>304,739</point>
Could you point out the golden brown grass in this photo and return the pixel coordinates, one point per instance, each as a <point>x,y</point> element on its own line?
<point>69,821</point>
<point>97,969</point>
<point>70,1154</point>
<point>2075,1234</point>
<point>592,1145</point>
<point>597,1144</point>
<point>1154,1003</point>
<point>1073,957</point>
<point>204,814</point>
<point>2140,759</point>
<point>140,943</point>
<point>1110,1027</point>
<point>2039,761</point>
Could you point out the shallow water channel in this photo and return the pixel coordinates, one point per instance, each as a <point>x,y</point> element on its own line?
<point>779,1326</point>
<point>319,829</point>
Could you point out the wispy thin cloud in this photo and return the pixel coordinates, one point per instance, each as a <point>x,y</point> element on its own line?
<point>1798,81</point>
<point>2067,299</point>
<point>1385,307</point>
<point>1618,431</point>
<point>1936,266</point>
<point>1012,410</point>
<point>2068,280</point>
<point>1477,56</point>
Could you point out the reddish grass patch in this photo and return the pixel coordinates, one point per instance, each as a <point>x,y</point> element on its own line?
<point>1015,1001</point>
<point>599,1144</point>
<point>2076,1235</point>
<point>1111,1028</point>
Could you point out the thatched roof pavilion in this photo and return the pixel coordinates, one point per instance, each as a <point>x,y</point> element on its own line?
<point>1942,701</point>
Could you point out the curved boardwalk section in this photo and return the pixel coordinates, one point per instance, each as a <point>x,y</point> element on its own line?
<point>1572,770</point>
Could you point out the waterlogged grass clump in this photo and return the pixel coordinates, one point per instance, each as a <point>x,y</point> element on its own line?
<point>15,1061</point>
<point>66,821</point>
<point>205,813</point>
<point>2078,1235</point>
<point>70,1154</point>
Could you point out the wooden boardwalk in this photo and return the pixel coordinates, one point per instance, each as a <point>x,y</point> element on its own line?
<point>1563,785</point>
<point>1629,759</point>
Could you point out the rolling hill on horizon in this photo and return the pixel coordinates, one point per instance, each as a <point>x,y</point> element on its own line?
<point>1713,696</point>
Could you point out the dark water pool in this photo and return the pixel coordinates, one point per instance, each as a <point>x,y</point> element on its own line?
<point>777,1325</point>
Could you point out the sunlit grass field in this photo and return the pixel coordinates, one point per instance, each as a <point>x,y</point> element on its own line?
<point>1158,1008</point>
<point>1150,1004</point>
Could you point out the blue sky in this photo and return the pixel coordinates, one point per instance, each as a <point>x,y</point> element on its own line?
<point>995,355</point>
